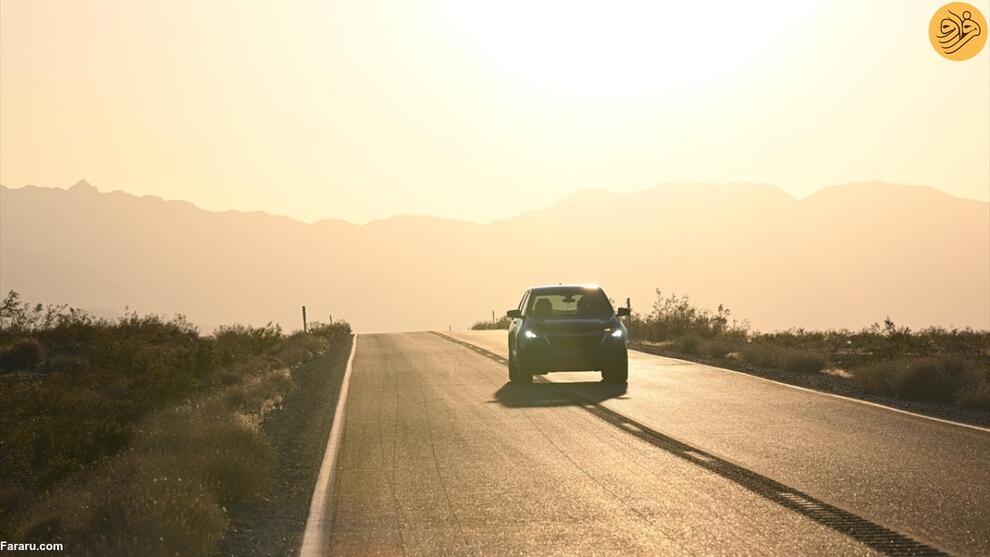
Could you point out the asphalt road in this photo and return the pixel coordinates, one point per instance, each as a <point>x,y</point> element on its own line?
<point>440,455</point>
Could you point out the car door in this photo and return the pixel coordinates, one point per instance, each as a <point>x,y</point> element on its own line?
<point>516,323</point>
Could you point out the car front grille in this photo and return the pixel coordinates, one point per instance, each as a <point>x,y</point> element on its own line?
<point>577,343</point>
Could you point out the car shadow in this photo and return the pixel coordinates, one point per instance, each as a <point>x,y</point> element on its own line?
<point>541,394</point>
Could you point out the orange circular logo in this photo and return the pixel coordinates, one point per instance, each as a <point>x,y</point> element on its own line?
<point>958,31</point>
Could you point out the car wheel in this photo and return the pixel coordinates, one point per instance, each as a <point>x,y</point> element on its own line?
<point>617,371</point>
<point>518,373</point>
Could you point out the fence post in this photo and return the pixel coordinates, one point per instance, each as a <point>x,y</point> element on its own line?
<point>305,326</point>
<point>629,317</point>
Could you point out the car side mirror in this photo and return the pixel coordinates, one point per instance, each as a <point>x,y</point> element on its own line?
<point>622,312</point>
<point>513,314</point>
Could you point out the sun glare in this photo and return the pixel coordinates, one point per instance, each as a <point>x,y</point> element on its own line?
<point>582,50</point>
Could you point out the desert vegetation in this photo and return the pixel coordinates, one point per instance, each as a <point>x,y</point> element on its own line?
<point>489,325</point>
<point>134,435</point>
<point>950,366</point>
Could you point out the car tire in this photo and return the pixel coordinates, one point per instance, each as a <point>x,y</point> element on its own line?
<point>617,371</point>
<point>518,373</point>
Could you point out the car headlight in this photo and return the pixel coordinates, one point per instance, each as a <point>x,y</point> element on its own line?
<point>529,334</point>
<point>617,333</point>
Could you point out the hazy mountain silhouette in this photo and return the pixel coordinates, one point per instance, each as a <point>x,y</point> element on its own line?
<point>846,256</point>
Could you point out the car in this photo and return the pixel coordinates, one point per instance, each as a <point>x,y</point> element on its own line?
<point>567,328</point>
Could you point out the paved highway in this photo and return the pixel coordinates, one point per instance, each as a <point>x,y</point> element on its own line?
<point>439,455</point>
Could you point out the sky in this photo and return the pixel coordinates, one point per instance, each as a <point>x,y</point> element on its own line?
<point>478,111</point>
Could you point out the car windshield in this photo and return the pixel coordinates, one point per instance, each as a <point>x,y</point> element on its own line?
<point>569,302</point>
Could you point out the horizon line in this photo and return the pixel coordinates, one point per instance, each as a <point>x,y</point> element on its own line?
<point>85,184</point>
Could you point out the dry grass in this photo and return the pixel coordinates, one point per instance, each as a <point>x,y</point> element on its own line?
<point>167,494</point>
<point>134,434</point>
<point>946,379</point>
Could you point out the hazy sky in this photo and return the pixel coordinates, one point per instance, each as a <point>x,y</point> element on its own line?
<point>361,110</point>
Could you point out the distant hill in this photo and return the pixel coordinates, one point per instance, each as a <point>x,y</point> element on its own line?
<point>846,256</point>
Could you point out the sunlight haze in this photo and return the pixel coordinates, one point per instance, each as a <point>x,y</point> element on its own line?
<point>364,110</point>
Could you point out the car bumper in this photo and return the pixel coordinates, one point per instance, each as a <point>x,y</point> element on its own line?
<point>572,352</point>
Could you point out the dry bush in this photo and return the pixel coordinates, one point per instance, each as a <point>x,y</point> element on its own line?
<point>875,378</point>
<point>23,354</point>
<point>761,355</point>
<point>120,468</point>
<point>298,348</point>
<point>930,379</point>
<point>945,379</point>
<point>228,378</point>
<point>488,325</point>
<point>975,394</point>
<point>339,328</point>
<point>688,344</point>
<point>259,395</point>
<point>167,494</point>
<point>718,347</point>
<point>139,504</point>
<point>803,362</point>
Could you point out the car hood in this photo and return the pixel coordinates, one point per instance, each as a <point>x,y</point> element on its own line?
<point>577,325</point>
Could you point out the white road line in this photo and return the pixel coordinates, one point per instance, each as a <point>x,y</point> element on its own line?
<point>315,543</point>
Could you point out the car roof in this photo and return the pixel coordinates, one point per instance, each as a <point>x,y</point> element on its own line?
<point>552,287</point>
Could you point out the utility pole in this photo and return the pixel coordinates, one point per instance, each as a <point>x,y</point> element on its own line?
<point>331,320</point>
<point>493,318</point>
<point>305,326</point>
<point>629,317</point>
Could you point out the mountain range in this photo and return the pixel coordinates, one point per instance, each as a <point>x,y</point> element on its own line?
<point>846,256</point>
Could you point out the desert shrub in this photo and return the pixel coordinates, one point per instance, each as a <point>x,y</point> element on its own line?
<point>719,347</point>
<point>298,348</point>
<point>487,325</point>
<point>138,434</point>
<point>931,379</point>
<point>875,377</point>
<point>975,394</point>
<point>24,354</point>
<point>141,504</point>
<point>236,462</point>
<point>761,354</point>
<point>229,377</point>
<point>674,316</point>
<point>803,362</point>
<point>219,447</point>
<point>687,344</point>
<point>166,495</point>
<point>330,330</point>
<point>260,394</point>
<point>944,379</point>
<point>236,343</point>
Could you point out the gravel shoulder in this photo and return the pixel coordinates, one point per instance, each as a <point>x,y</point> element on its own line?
<point>274,524</point>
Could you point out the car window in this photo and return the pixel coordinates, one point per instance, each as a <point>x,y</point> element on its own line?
<point>576,302</point>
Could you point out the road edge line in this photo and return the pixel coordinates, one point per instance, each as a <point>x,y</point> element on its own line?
<point>823,393</point>
<point>314,542</point>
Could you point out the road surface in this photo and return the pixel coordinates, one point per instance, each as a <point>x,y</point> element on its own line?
<point>439,455</point>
